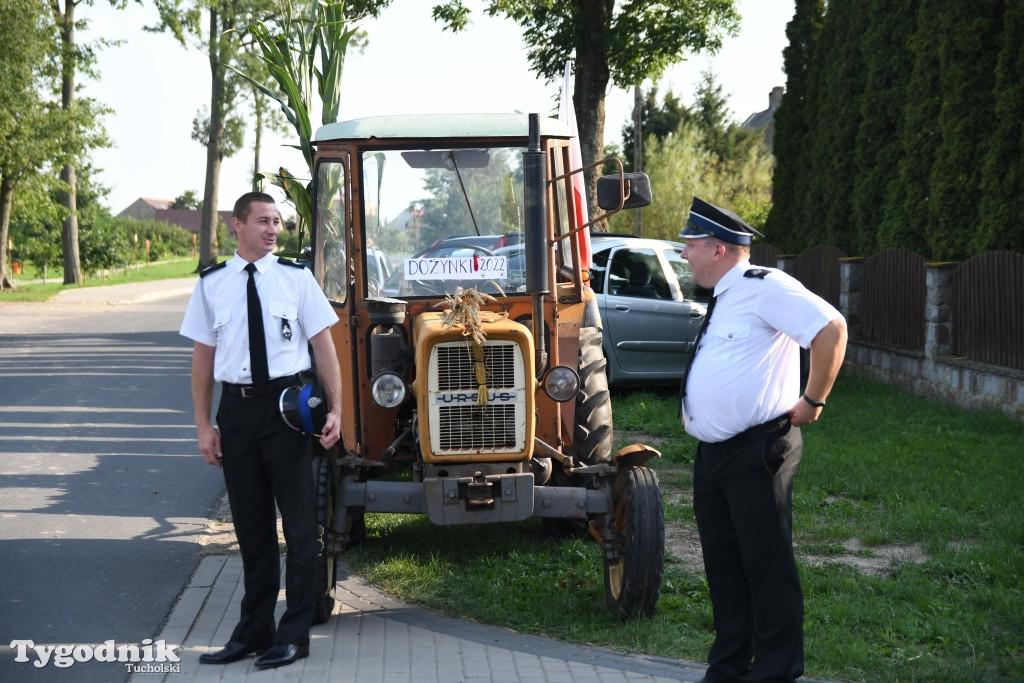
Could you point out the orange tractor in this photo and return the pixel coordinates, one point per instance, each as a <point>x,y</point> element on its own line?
<point>470,343</point>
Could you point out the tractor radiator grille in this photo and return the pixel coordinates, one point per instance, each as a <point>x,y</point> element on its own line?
<point>473,427</point>
<point>455,366</point>
<point>459,423</point>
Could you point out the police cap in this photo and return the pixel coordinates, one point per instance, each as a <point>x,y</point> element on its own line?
<point>303,408</point>
<point>707,220</point>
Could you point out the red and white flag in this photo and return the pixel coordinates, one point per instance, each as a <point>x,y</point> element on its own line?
<point>567,114</point>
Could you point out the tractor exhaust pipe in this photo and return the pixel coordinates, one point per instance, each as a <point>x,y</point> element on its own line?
<point>535,220</point>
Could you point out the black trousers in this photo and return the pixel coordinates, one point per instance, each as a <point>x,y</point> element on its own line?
<point>266,462</point>
<point>742,498</point>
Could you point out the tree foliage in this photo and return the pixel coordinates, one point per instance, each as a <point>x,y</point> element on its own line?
<point>609,46</point>
<point>42,126</point>
<point>835,88</point>
<point>217,127</point>
<point>24,114</point>
<point>1002,199</point>
<point>706,155</point>
<point>888,63</point>
<point>83,131</point>
<point>969,39</point>
<point>907,133</point>
<point>657,121</point>
<point>793,120</point>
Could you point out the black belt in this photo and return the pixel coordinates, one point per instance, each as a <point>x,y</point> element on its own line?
<point>764,429</point>
<point>251,390</point>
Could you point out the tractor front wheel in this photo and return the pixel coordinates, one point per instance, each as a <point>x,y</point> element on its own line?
<point>632,573</point>
<point>326,567</point>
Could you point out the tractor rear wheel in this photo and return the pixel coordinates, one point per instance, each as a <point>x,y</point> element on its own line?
<point>632,580</point>
<point>592,431</point>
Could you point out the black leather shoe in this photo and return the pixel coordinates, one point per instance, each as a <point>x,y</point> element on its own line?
<point>281,654</point>
<point>231,652</point>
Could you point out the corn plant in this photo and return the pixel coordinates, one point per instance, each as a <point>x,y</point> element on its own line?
<point>304,52</point>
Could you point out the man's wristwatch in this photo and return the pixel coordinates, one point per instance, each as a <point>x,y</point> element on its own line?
<point>816,404</point>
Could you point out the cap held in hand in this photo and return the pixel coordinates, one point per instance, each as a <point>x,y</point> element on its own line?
<point>304,409</point>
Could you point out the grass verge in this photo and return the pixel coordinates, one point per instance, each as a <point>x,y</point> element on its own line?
<point>938,490</point>
<point>29,288</point>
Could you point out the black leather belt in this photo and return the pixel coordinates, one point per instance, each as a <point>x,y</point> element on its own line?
<point>762,430</point>
<point>251,390</point>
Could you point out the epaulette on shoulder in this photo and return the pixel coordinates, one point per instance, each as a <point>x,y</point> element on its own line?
<point>209,269</point>
<point>289,262</point>
<point>759,273</point>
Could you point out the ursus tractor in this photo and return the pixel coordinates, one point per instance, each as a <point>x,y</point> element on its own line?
<point>454,251</point>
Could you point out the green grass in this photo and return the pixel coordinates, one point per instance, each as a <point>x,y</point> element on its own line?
<point>942,486</point>
<point>27,289</point>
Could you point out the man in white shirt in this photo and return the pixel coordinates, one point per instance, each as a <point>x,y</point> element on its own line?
<point>741,399</point>
<point>253,320</point>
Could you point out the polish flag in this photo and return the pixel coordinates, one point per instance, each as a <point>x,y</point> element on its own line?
<point>567,114</point>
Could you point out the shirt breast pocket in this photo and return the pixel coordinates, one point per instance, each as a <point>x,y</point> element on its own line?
<point>287,315</point>
<point>732,338</point>
<point>219,321</point>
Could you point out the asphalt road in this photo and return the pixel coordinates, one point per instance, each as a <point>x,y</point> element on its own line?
<point>102,490</point>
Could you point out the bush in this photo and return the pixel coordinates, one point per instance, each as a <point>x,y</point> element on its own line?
<point>103,244</point>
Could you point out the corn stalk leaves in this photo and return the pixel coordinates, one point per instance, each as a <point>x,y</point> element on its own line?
<point>290,53</point>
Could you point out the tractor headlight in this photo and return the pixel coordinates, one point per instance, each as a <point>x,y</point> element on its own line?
<point>388,390</point>
<point>561,383</point>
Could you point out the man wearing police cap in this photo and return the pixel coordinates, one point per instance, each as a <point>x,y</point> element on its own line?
<point>741,399</point>
<point>253,319</point>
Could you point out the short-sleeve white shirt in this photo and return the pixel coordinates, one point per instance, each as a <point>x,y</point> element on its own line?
<point>747,368</point>
<point>294,309</point>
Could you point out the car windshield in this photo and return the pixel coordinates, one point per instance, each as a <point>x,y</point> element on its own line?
<point>445,217</point>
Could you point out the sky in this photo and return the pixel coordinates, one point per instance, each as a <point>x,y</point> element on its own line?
<point>155,87</point>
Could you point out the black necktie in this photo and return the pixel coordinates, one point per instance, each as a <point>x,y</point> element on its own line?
<point>257,339</point>
<point>696,344</point>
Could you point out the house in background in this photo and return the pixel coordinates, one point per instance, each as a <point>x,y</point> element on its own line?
<point>149,209</point>
<point>765,120</point>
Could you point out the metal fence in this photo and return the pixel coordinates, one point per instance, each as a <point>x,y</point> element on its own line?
<point>988,309</point>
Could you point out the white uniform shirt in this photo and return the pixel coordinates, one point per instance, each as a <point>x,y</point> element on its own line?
<point>747,369</point>
<point>287,295</point>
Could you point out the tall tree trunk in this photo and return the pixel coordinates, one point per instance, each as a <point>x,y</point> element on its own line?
<point>208,224</point>
<point>592,76</point>
<point>69,196</point>
<point>259,106</point>
<point>6,202</point>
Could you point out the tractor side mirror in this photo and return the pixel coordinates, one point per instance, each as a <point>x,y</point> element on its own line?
<point>628,191</point>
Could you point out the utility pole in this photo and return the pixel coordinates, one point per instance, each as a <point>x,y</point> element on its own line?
<point>638,226</point>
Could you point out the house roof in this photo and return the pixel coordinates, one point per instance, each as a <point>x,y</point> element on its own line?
<point>190,219</point>
<point>158,204</point>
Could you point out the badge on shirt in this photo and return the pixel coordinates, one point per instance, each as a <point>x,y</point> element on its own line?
<point>286,330</point>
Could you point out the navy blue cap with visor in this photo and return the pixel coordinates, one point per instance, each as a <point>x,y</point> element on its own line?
<point>303,408</point>
<point>707,220</point>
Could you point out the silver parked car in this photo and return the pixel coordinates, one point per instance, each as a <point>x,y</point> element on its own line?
<point>650,308</point>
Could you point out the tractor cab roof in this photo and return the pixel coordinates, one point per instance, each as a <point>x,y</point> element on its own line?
<point>440,126</point>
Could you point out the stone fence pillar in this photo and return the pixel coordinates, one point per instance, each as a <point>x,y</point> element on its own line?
<point>786,263</point>
<point>938,310</point>
<point>851,288</point>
